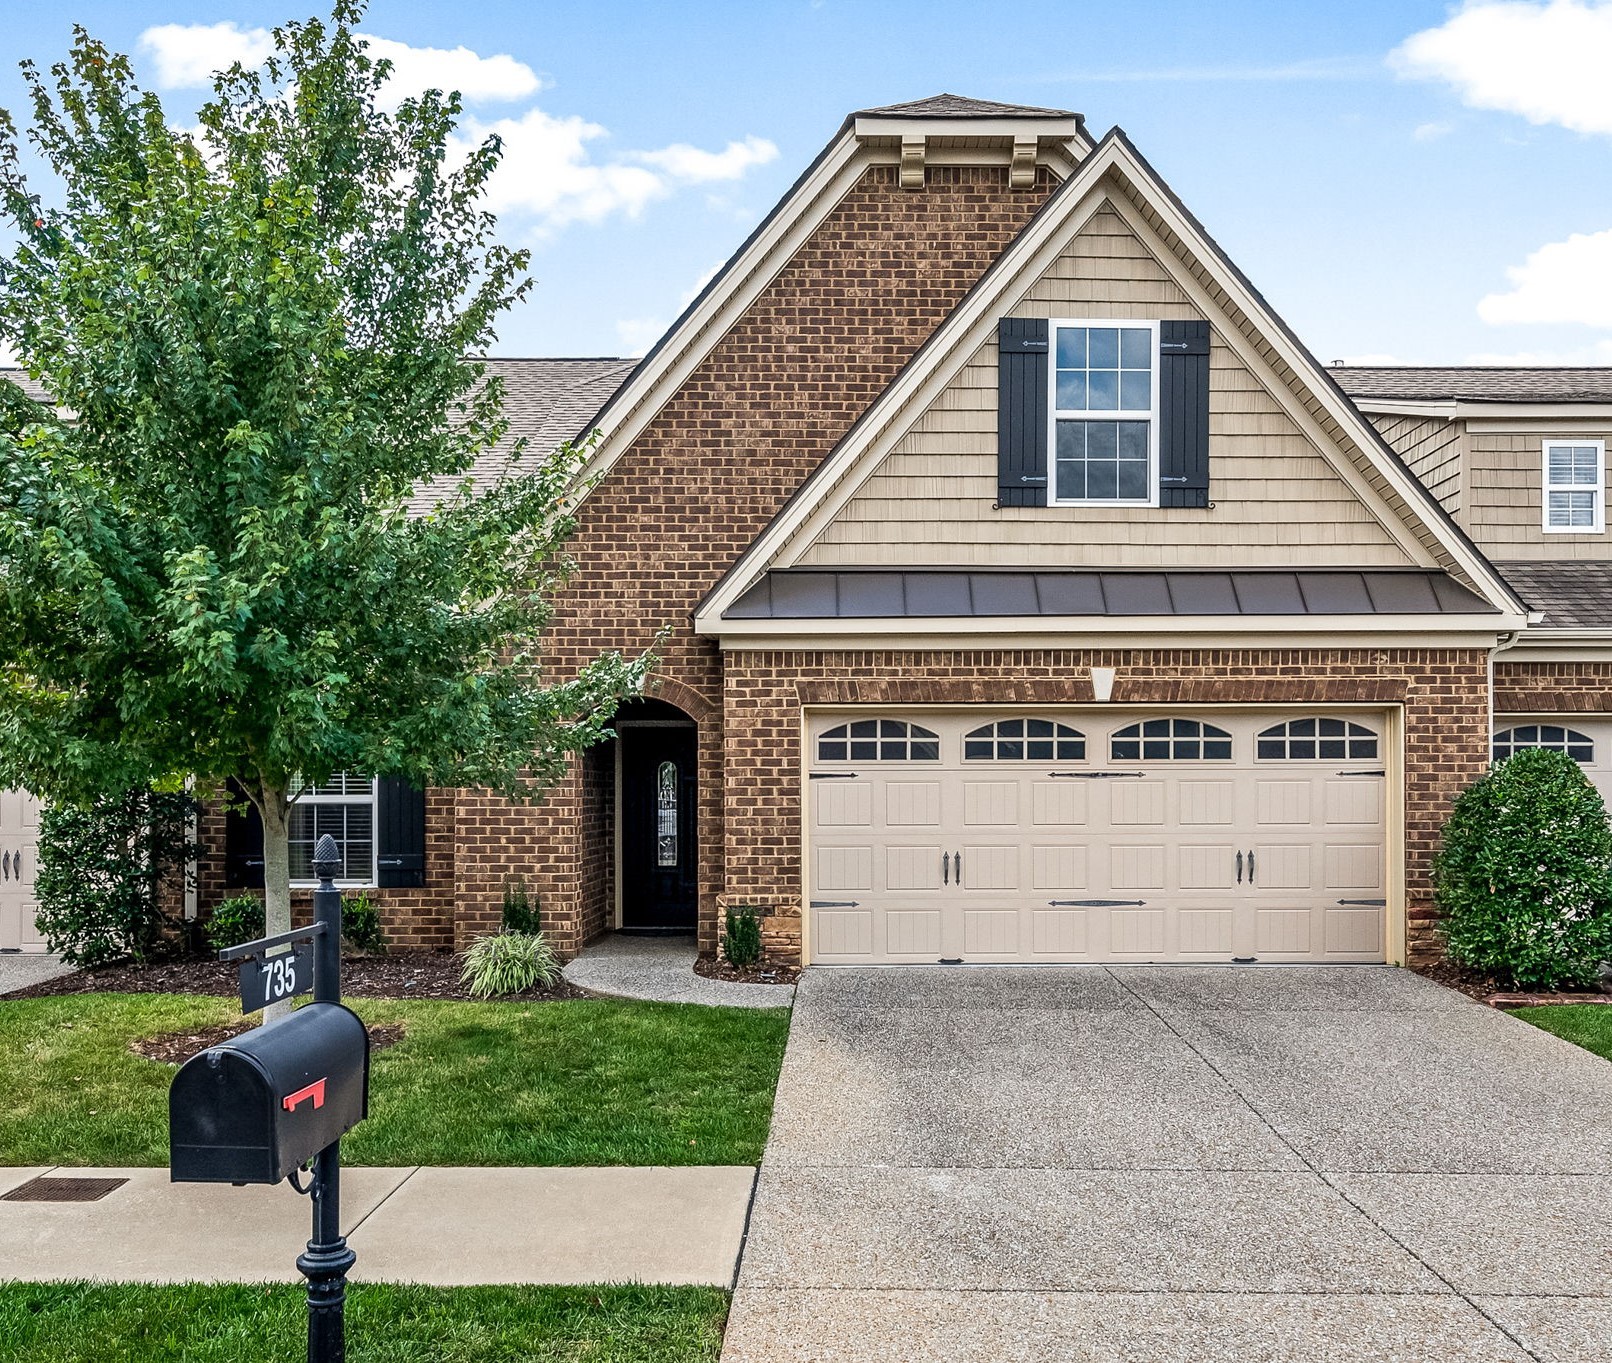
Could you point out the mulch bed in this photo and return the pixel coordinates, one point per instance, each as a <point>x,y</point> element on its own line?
<point>402,975</point>
<point>1486,989</point>
<point>715,968</point>
<point>174,1048</point>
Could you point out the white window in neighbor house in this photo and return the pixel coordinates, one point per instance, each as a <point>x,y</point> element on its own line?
<point>1575,486</point>
<point>344,807</point>
<point>1104,438</point>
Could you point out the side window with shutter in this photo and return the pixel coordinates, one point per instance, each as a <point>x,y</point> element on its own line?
<point>1104,412</point>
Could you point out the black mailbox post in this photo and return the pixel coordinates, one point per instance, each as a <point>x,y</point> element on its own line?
<point>260,1107</point>
<point>256,1108</point>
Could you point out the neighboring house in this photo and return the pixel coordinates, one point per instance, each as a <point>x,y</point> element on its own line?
<point>1025,592</point>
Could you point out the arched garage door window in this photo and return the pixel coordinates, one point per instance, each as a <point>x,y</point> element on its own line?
<point>1302,740</point>
<point>1170,740</point>
<point>1580,747</point>
<point>878,740</point>
<point>1024,740</point>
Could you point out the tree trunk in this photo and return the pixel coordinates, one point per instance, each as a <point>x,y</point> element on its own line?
<point>274,804</point>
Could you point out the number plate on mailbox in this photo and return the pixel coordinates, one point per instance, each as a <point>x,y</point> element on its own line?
<point>269,979</point>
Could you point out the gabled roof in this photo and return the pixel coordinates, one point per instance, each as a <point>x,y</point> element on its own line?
<point>1115,173</point>
<point>1475,383</point>
<point>961,106</point>
<point>1572,595</point>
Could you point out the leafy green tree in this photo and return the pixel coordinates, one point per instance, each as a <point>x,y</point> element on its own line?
<point>1524,877</point>
<point>253,338</point>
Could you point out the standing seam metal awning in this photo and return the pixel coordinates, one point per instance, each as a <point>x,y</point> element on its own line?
<point>817,594</point>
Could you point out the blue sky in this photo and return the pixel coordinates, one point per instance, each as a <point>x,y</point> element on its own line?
<point>1411,182</point>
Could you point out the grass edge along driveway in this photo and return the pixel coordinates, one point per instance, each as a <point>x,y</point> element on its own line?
<point>1584,1024</point>
<point>572,1082</point>
<point>386,1323</point>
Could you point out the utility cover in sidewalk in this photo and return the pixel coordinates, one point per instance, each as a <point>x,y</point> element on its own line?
<point>48,1189</point>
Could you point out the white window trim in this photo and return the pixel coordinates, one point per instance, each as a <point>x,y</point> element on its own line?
<point>373,882</point>
<point>1546,488</point>
<point>1151,416</point>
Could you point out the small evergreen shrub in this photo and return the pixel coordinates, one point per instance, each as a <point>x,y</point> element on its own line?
<point>361,924</point>
<point>741,943</point>
<point>521,911</point>
<point>236,920</point>
<point>508,962</point>
<point>1524,878</point>
<point>111,876</point>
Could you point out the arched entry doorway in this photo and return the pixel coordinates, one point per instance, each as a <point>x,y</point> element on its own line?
<point>657,791</point>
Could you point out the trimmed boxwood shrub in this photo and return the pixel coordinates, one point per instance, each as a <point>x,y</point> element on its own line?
<point>1524,879</point>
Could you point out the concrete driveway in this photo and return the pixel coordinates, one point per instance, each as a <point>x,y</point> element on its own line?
<point>1140,1164</point>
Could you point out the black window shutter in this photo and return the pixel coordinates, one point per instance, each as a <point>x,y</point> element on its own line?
<point>1022,414</point>
<point>399,834</point>
<point>243,845</point>
<point>1184,414</point>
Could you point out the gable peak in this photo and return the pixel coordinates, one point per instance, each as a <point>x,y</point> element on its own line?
<point>961,106</point>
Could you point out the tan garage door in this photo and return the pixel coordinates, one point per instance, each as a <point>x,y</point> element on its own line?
<point>1105,836</point>
<point>19,836</point>
<point>1586,738</point>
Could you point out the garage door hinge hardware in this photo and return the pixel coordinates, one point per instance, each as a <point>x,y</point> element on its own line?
<point>1095,903</point>
<point>1378,772</point>
<point>1366,903</point>
<point>833,775</point>
<point>1092,775</point>
<point>836,903</point>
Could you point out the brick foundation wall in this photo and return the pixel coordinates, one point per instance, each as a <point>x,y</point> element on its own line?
<point>1524,688</point>
<point>1443,694</point>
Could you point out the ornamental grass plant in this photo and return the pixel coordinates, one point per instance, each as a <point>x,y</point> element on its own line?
<point>509,962</point>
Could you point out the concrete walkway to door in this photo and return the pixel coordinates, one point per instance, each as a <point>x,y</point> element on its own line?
<point>1261,1165</point>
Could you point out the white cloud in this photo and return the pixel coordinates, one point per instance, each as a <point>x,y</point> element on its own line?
<point>1563,281</point>
<point>1372,359</point>
<point>8,356</point>
<point>1546,62</point>
<point>690,164</point>
<point>637,334</point>
<point>186,56</point>
<point>1431,132</point>
<point>479,79</point>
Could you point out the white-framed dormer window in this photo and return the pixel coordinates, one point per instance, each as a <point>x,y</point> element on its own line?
<point>1575,487</point>
<point>344,807</point>
<point>1105,428</point>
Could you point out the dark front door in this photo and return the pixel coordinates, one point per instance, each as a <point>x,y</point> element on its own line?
<point>659,882</point>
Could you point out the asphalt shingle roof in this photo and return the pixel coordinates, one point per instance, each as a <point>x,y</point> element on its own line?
<point>1573,595</point>
<point>1491,383</point>
<point>960,106</point>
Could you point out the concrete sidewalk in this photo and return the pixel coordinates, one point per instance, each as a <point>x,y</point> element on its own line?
<point>424,1225</point>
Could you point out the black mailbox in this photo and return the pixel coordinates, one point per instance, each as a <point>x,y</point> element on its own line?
<point>254,1108</point>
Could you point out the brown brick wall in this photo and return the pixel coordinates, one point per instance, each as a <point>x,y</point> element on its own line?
<point>1522,688</point>
<point>1443,692</point>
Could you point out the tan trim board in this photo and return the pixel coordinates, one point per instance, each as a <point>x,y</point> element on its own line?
<point>925,637</point>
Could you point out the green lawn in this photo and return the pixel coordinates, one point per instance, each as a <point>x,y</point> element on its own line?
<point>583,1081</point>
<point>1584,1024</point>
<point>120,1323</point>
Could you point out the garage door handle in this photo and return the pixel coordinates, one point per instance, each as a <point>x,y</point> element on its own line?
<point>1092,775</point>
<point>1378,772</point>
<point>945,869</point>
<point>5,865</point>
<point>958,867</point>
<point>831,776</point>
<point>1250,865</point>
<point>1239,868</point>
<point>1366,903</point>
<point>835,903</point>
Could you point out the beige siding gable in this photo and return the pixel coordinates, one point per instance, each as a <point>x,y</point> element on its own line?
<point>1504,480</point>
<point>1278,501</point>
<point>1431,449</point>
